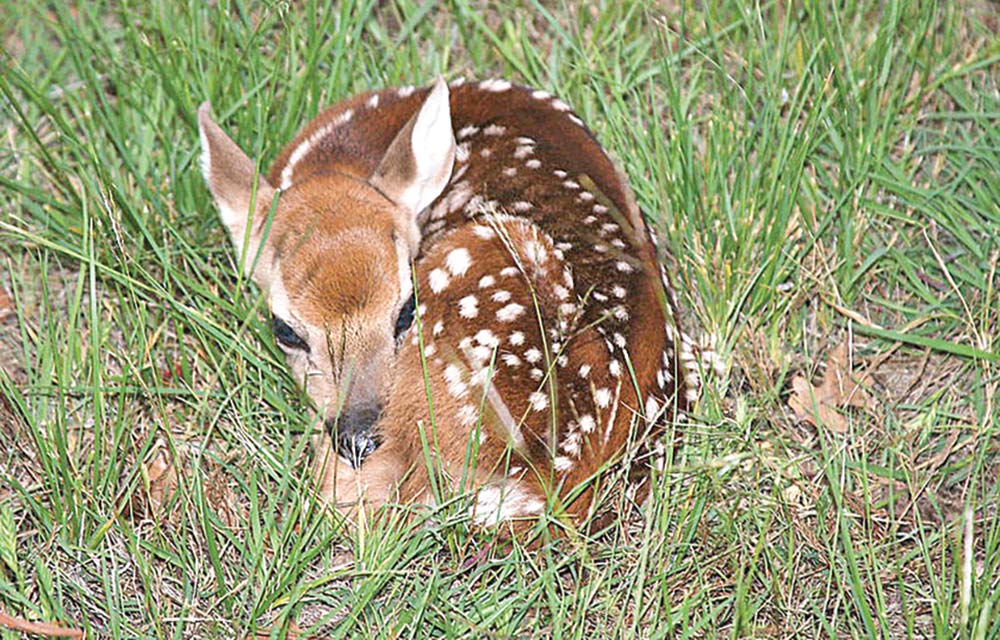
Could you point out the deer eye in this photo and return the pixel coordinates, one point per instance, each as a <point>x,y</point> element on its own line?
<point>286,336</point>
<point>405,317</point>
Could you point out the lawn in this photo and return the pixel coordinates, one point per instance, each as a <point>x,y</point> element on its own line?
<point>826,176</point>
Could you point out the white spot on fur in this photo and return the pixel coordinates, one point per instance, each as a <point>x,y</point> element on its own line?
<point>510,172</point>
<point>584,370</point>
<point>587,422</point>
<point>516,338</point>
<point>559,105</point>
<point>600,209</point>
<point>343,118</point>
<point>533,163</point>
<point>540,95</point>
<point>539,401</point>
<point>521,206</point>
<point>563,464</point>
<point>602,397</point>
<point>453,378</point>
<point>468,307</point>
<point>523,152</point>
<point>615,368</point>
<point>482,355</point>
<point>438,328</point>
<point>618,291</point>
<point>372,102</point>
<point>571,444</point>
<point>438,280</point>
<point>406,91</point>
<point>575,120</point>
<point>652,409</point>
<point>487,338</point>
<point>458,261</point>
<point>500,296</point>
<point>484,232</point>
<point>511,359</point>
<point>571,184</point>
<point>536,252</point>
<point>585,196</point>
<point>624,267</point>
<point>487,281</point>
<point>559,173</point>
<point>510,312</point>
<point>494,130</point>
<point>533,355</point>
<point>467,131</point>
<point>494,85</point>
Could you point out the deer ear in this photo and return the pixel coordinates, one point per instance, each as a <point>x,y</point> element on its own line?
<point>230,176</point>
<point>418,163</point>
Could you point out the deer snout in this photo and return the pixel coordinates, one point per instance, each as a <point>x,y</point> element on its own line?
<point>353,432</point>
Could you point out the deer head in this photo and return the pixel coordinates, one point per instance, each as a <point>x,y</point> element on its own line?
<point>333,253</point>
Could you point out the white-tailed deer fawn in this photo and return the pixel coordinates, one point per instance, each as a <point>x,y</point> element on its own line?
<point>465,287</point>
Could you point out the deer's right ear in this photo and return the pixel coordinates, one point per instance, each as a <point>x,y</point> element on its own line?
<point>230,176</point>
<point>416,167</point>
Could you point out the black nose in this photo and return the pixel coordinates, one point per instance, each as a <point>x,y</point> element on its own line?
<point>353,432</point>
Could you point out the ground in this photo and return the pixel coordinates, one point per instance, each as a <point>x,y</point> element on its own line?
<point>825,176</point>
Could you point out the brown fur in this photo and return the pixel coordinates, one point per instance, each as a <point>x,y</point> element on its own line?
<point>532,264</point>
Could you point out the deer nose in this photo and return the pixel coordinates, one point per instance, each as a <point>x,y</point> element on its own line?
<point>353,432</point>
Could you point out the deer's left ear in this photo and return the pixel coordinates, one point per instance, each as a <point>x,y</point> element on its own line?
<point>229,172</point>
<point>418,163</point>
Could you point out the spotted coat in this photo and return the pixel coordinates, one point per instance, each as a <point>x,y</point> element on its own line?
<point>546,334</point>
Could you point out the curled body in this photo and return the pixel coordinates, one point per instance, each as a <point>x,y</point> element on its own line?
<point>465,287</point>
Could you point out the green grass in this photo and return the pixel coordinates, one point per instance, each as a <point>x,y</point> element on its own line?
<point>821,172</point>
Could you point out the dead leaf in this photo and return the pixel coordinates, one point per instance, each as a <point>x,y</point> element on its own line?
<point>818,405</point>
<point>162,478</point>
<point>6,306</point>
<point>223,500</point>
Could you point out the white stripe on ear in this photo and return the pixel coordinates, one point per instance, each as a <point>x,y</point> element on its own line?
<point>418,163</point>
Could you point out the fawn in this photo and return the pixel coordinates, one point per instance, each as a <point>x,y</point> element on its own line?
<point>465,287</point>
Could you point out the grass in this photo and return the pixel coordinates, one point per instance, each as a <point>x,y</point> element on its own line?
<point>821,172</point>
